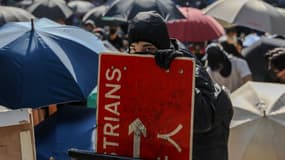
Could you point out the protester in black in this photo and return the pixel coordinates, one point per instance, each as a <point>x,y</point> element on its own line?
<point>213,109</point>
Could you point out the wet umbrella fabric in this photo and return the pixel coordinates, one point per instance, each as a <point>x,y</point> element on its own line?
<point>69,127</point>
<point>255,56</point>
<point>126,10</point>
<point>13,14</point>
<point>96,14</point>
<point>258,124</point>
<point>80,7</point>
<point>197,27</point>
<point>51,9</point>
<point>51,64</point>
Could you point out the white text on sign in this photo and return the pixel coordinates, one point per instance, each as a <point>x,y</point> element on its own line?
<point>112,119</point>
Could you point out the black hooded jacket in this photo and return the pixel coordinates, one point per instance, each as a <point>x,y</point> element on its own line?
<point>212,115</point>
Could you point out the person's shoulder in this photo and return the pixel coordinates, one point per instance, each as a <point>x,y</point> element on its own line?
<point>179,47</point>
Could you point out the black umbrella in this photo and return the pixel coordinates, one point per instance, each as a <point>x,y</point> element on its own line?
<point>96,15</point>
<point>53,9</point>
<point>255,56</point>
<point>127,9</point>
<point>18,3</point>
<point>13,14</point>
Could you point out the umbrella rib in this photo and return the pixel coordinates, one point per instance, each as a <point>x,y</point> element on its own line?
<point>97,49</point>
<point>236,15</point>
<point>56,48</point>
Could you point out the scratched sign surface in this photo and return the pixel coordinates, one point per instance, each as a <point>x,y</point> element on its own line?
<point>144,111</point>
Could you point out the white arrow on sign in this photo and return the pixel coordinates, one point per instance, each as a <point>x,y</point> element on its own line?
<point>138,128</point>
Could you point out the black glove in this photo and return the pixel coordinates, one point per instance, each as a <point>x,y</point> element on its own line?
<point>163,58</point>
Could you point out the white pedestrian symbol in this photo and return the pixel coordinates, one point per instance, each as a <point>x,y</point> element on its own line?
<point>168,137</point>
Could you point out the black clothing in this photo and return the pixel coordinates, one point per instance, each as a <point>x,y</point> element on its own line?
<point>212,145</point>
<point>212,113</point>
<point>117,42</point>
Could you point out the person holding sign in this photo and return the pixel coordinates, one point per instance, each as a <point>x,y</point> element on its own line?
<point>147,34</point>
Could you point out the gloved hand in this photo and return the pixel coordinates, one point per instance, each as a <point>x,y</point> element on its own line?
<point>163,58</point>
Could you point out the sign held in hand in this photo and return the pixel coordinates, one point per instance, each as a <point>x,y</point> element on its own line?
<point>144,111</point>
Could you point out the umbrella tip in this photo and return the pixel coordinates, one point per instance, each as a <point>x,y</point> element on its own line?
<point>32,24</point>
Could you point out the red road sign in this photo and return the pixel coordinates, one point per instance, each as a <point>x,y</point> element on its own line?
<point>144,111</point>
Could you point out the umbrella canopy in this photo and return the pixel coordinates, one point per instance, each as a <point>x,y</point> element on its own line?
<point>255,56</point>
<point>96,14</point>
<point>13,14</point>
<point>80,7</point>
<point>197,27</point>
<point>254,14</point>
<point>126,10</point>
<point>18,3</point>
<point>258,124</point>
<point>281,10</point>
<point>52,9</point>
<point>49,64</point>
<point>69,127</point>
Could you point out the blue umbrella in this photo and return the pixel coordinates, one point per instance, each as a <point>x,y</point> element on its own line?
<point>46,64</point>
<point>69,127</point>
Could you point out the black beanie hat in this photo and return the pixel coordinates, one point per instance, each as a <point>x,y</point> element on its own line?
<point>149,27</point>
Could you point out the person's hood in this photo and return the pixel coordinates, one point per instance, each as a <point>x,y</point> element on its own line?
<point>149,27</point>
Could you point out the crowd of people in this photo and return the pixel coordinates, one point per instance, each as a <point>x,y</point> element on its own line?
<point>223,58</point>
<point>220,70</point>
